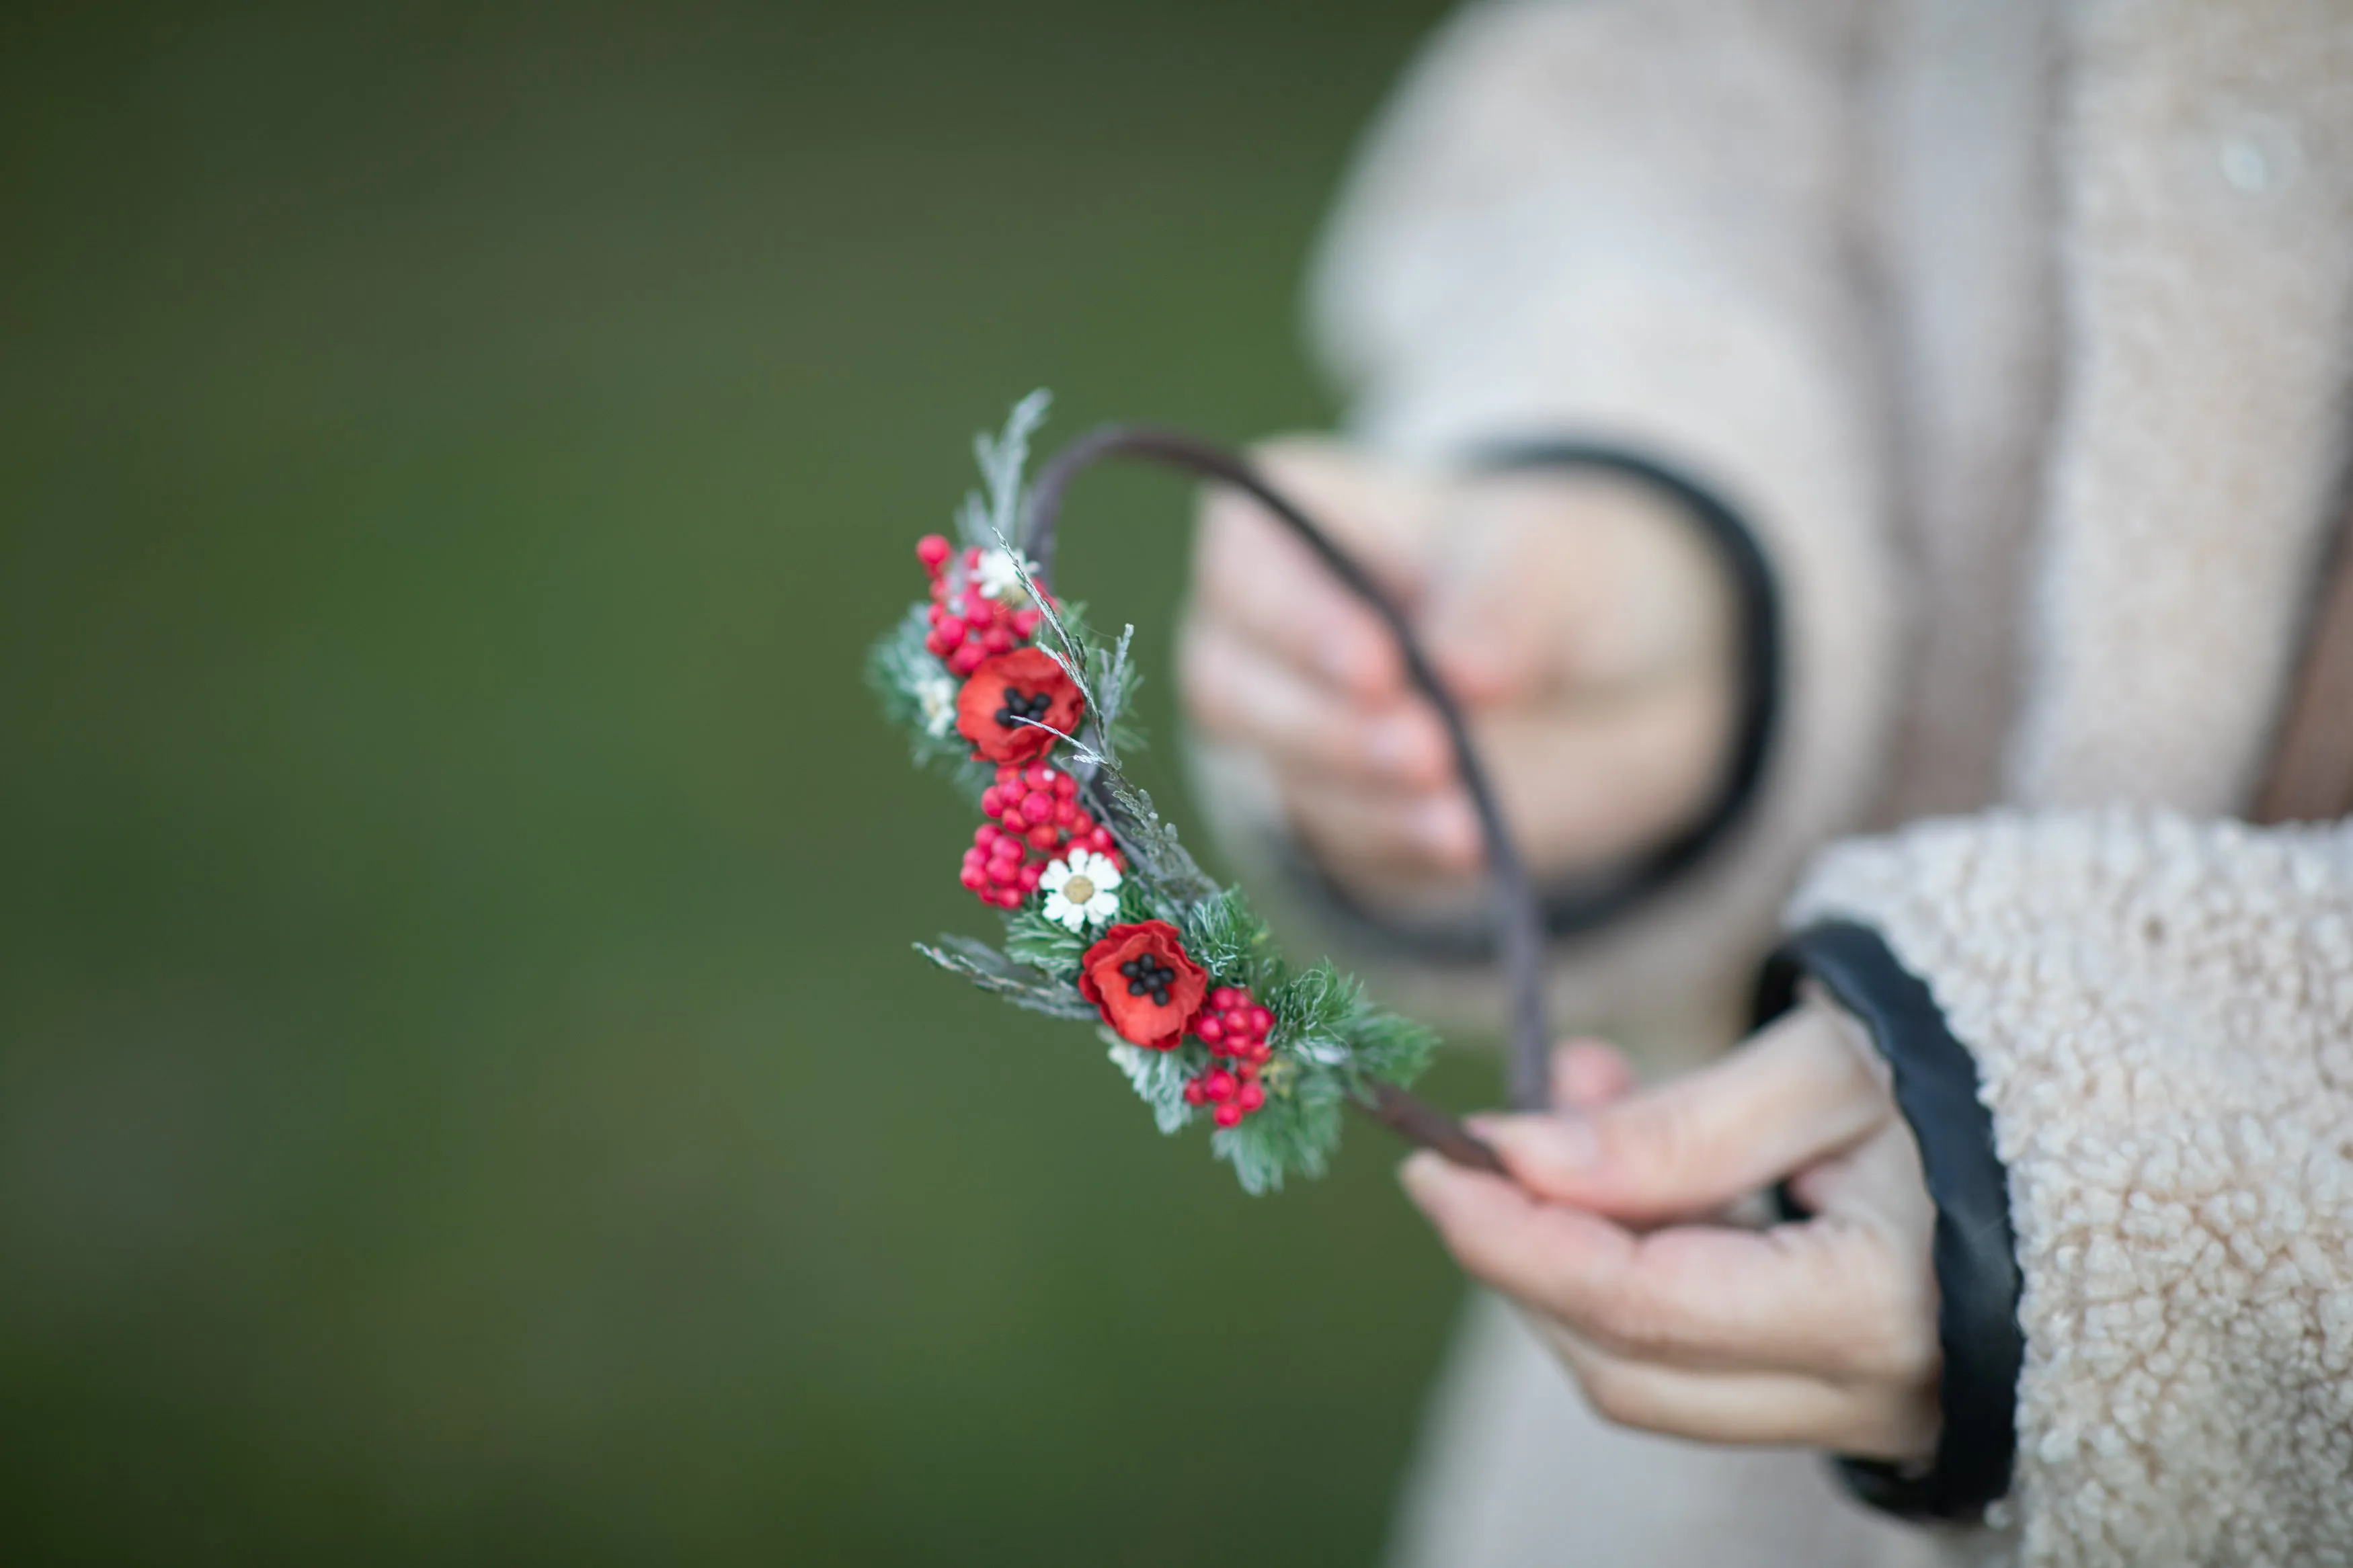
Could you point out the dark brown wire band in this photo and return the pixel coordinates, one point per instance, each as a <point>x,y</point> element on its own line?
<point>1520,917</point>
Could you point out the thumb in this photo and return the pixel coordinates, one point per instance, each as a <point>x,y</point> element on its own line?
<point>1802,1089</point>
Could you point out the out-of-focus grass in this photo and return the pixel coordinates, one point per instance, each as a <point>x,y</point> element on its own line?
<point>464,1092</point>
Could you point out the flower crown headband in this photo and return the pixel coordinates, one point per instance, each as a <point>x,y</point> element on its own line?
<point>1006,688</point>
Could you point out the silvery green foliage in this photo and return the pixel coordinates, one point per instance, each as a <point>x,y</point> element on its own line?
<point>1159,1078</point>
<point>1115,680</point>
<point>1018,984</point>
<point>1227,938</point>
<point>1167,870</point>
<point>1044,945</point>
<point>1293,1134</point>
<point>990,515</point>
<point>917,694</point>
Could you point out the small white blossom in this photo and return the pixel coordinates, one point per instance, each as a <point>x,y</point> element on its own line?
<point>939,702</point>
<point>1000,579</point>
<point>1082,890</point>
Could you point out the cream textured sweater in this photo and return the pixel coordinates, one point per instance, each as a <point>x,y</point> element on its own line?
<point>2161,1012</point>
<point>2022,334</point>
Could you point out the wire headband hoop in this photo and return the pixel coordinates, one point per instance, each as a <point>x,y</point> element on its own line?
<point>1520,922</point>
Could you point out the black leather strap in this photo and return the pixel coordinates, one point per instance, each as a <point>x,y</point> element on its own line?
<point>1570,909</point>
<point>1977,1279</point>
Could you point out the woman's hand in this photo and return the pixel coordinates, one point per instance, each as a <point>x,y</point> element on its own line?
<point>1579,618</point>
<point>1821,1333</point>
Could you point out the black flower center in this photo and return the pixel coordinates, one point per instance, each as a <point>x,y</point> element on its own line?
<point>1019,705</point>
<point>1147,976</point>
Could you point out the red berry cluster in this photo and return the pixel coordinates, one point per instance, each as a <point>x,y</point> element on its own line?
<point>1034,815</point>
<point>1234,1027</point>
<point>967,625</point>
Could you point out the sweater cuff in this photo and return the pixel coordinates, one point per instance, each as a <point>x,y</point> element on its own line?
<point>1977,1276</point>
<point>1572,909</point>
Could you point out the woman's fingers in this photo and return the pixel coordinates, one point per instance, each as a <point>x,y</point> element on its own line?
<point>1239,690</point>
<point>1802,1089</point>
<point>1410,835</point>
<point>1571,615</point>
<point>1822,1332</point>
<point>1253,573</point>
<point>1827,1298</point>
<point>1577,784</point>
<point>1747,1406</point>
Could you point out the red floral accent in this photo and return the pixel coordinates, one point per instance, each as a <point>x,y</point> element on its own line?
<point>1148,990</point>
<point>1010,680</point>
<point>1234,1027</point>
<point>967,625</point>
<point>1034,818</point>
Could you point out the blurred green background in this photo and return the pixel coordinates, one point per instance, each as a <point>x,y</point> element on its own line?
<point>464,1091</point>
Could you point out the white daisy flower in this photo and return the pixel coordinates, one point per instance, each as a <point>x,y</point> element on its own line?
<point>939,702</point>
<point>1000,579</point>
<point>1082,890</point>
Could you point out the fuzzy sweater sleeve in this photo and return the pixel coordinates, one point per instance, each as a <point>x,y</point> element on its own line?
<point>2161,1012</point>
<point>1626,222</point>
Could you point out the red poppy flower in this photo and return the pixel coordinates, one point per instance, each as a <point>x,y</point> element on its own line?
<point>1023,684</point>
<point>1149,991</point>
